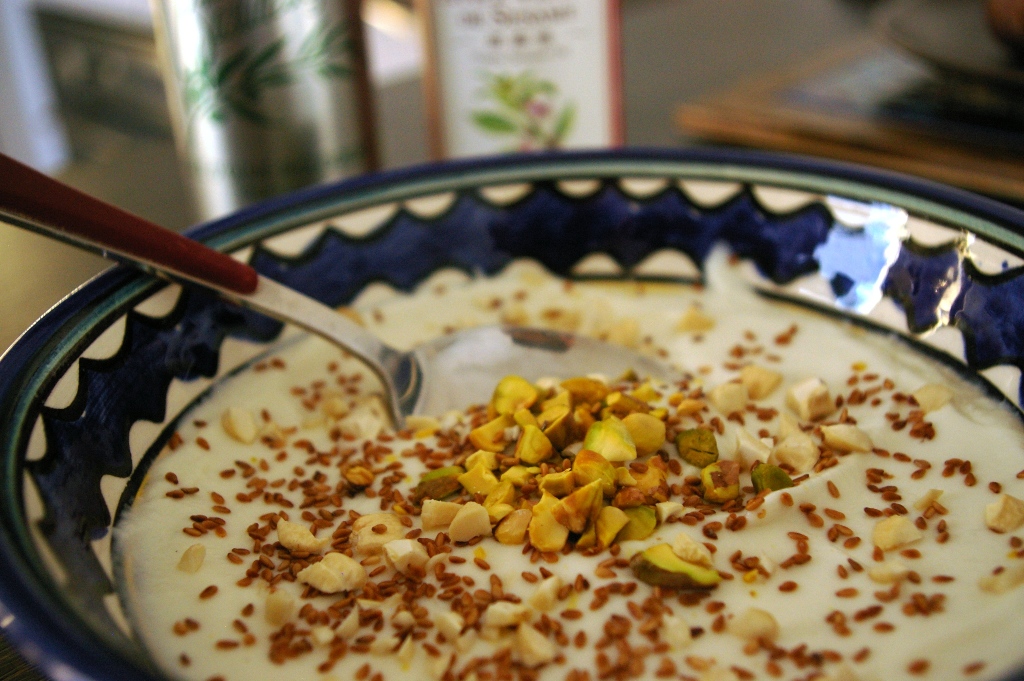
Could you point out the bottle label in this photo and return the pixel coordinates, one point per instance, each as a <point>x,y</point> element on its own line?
<point>524,75</point>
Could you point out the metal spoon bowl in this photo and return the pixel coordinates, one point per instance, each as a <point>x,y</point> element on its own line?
<point>450,372</point>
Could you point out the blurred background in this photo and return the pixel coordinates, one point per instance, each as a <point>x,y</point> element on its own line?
<point>920,87</point>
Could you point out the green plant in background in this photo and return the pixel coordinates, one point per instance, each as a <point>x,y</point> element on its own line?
<point>234,84</point>
<point>525,110</point>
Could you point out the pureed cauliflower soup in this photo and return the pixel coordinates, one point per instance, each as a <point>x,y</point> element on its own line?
<point>812,500</point>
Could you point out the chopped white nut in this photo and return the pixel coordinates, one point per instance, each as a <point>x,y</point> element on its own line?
<point>335,572</point>
<point>349,626</point>
<point>334,406</point>
<point>322,635</point>
<point>422,426</point>
<point>367,419</point>
<point>385,645</point>
<point>372,531</point>
<point>1006,580</point>
<point>532,648</point>
<point>279,608</point>
<point>403,620</point>
<point>465,643</point>
<point>797,450</point>
<point>932,396</point>
<point>719,673</point>
<point>1005,514</point>
<point>846,437</point>
<point>407,650</point>
<point>192,559</point>
<point>240,425</point>
<point>437,666</point>
<point>810,399</point>
<point>889,572</point>
<point>754,624</point>
<point>406,555</point>
<point>470,522</point>
<point>449,624</point>
<point>894,532</point>
<point>667,510</point>
<point>728,397</point>
<point>501,614</point>
<point>750,448</point>
<point>695,320</point>
<point>296,537</point>
<point>675,632</point>
<point>546,595</point>
<point>691,551</point>
<point>767,564</point>
<point>788,425</point>
<point>927,500</point>
<point>438,514</point>
<point>759,381</point>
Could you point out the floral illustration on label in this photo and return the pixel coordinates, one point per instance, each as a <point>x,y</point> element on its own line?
<point>233,82</point>
<point>526,111</point>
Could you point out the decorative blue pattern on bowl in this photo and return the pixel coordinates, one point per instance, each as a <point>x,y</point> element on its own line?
<point>65,621</point>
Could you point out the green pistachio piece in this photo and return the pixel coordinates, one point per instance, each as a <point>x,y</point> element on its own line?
<point>769,477</point>
<point>660,566</point>
<point>642,522</point>
<point>610,439</point>
<point>589,466</point>
<point>697,447</point>
<point>533,445</point>
<point>438,484</point>
<point>512,393</point>
<point>721,481</point>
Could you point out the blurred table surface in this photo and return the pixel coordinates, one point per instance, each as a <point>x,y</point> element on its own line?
<point>675,51</point>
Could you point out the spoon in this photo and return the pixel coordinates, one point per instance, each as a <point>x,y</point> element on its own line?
<point>450,372</point>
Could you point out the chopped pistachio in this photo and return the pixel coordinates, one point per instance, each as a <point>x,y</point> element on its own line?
<point>648,432</point>
<point>482,456</point>
<point>559,484</point>
<point>610,439</point>
<point>479,480</point>
<point>697,447</point>
<point>533,446</point>
<point>721,481</point>
<point>512,528</point>
<point>512,393</point>
<point>589,466</point>
<point>491,435</point>
<point>642,522</point>
<point>577,509</point>
<point>519,475</point>
<point>586,390</point>
<point>610,522</point>
<point>438,484</point>
<point>660,566</point>
<point>769,477</point>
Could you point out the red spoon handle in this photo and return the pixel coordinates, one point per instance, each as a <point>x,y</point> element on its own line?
<point>80,218</point>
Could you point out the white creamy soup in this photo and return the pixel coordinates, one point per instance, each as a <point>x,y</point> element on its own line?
<point>285,532</point>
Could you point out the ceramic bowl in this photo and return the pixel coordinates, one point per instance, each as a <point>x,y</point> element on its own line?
<point>95,386</point>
